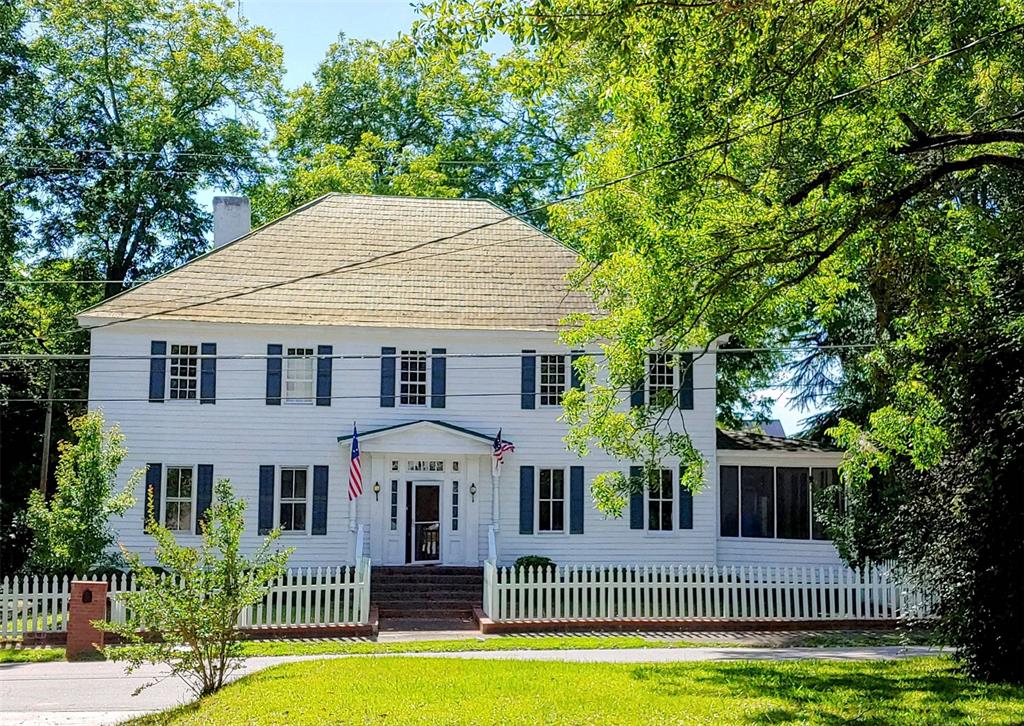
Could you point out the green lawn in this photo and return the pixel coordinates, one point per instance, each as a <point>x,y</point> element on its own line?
<point>30,655</point>
<point>435,691</point>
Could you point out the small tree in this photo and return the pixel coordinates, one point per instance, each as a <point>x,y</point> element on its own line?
<point>189,612</point>
<point>71,532</point>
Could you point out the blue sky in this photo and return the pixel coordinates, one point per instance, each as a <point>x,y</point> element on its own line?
<point>306,28</point>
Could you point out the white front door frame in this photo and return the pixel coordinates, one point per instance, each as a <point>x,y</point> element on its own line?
<point>414,520</point>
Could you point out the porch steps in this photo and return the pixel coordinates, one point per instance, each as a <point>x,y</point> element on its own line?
<point>433,592</point>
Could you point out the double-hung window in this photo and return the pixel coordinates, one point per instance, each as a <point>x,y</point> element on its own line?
<point>413,378</point>
<point>180,487</point>
<point>660,500</point>
<point>551,501</point>
<point>552,379</point>
<point>183,372</point>
<point>294,499</point>
<point>661,378</point>
<point>299,375</point>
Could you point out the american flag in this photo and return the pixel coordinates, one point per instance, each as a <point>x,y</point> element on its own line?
<point>355,473</point>
<point>500,447</point>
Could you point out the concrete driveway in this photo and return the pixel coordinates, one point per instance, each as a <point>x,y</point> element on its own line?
<point>101,693</point>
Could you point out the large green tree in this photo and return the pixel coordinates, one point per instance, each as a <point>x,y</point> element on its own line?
<point>147,102</point>
<point>396,118</point>
<point>835,171</point>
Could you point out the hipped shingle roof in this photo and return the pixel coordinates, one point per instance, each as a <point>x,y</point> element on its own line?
<point>400,265</point>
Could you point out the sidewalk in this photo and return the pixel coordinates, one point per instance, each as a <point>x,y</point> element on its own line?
<point>100,692</point>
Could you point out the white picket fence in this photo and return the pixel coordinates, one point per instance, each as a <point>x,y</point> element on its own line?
<point>639,592</point>
<point>302,597</point>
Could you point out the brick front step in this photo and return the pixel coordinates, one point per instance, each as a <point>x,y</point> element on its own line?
<point>430,592</point>
<point>426,580</point>
<point>441,570</point>
<point>425,613</point>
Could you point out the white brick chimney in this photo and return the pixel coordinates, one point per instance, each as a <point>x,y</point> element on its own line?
<point>232,218</point>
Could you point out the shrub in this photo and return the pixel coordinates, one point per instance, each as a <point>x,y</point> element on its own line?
<point>190,611</point>
<point>534,561</point>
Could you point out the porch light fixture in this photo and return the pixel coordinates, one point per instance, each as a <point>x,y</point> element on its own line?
<point>376,491</point>
<point>472,491</point>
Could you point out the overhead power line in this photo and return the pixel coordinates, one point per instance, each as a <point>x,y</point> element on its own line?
<point>449,356</point>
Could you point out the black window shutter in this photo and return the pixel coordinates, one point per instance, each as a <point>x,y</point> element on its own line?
<point>157,370</point>
<point>686,384</point>
<point>575,380</point>
<point>438,374</point>
<point>151,509</point>
<point>529,380</point>
<point>387,377</point>
<point>266,500</point>
<point>636,394</point>
<point>204,493</point>
<point>526,500</point>
<point>208,375</point>
<point>575,500</point>
<point>685,504</point>
<point>319,524</point>
<point>273,375</point>
<point>324,366</point>
<point>636,500</point>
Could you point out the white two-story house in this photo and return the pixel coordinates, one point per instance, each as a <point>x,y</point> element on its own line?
<point>428,325</point>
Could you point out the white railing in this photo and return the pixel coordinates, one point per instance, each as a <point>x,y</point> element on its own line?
<point>302,597</point>
<point>638,592</point>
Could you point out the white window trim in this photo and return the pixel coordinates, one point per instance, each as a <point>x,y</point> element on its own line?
<point>566,378</point>
<point>674,367</point>
<point>309,501</point>
<point>674,529</point>
<point>401,353</point>
<point>199,371</point>
<point>565,502</point>
<point>163,496</point>
<point>286,358</point>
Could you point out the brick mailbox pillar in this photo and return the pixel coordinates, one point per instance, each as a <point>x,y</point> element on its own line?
<point>87,602</point>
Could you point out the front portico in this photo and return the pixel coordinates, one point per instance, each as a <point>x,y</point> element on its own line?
<point>428,493</point>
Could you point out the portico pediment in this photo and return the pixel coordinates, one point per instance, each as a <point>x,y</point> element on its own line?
<point>422,436</point>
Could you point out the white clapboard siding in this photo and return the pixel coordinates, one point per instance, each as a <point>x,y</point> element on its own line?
<point>653,592</point>
<point>302,597</point>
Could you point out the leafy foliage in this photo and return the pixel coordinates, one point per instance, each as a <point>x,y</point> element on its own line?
<point>533,562</point>
<point>395,118</point>
<point>72,531</point>
<point>190,610</point>
<point>148,102</point>
<point>827,173</point>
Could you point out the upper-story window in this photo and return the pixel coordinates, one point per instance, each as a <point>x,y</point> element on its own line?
<point>299,375</point>
<point>660,501</point>
<point>179,489</point>
<point>412,378</point>
<point>661,379</point>
<point>184,372</point>
<point>552,379</point>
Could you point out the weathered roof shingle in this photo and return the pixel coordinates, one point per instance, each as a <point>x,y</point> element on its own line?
<point>749,441</point>
<point>375,261</point>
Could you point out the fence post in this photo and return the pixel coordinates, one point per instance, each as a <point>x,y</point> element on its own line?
<point>88,602</point>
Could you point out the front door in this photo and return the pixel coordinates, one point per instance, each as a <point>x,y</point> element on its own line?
<point>425,534</point>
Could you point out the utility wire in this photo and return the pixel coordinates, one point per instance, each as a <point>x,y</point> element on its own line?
<point>391,356</point>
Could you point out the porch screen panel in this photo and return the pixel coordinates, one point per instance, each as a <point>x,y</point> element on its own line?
<point>824,483</point>
<point>729,496</point>
<point>757,501</point>
<point>793,502</point>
